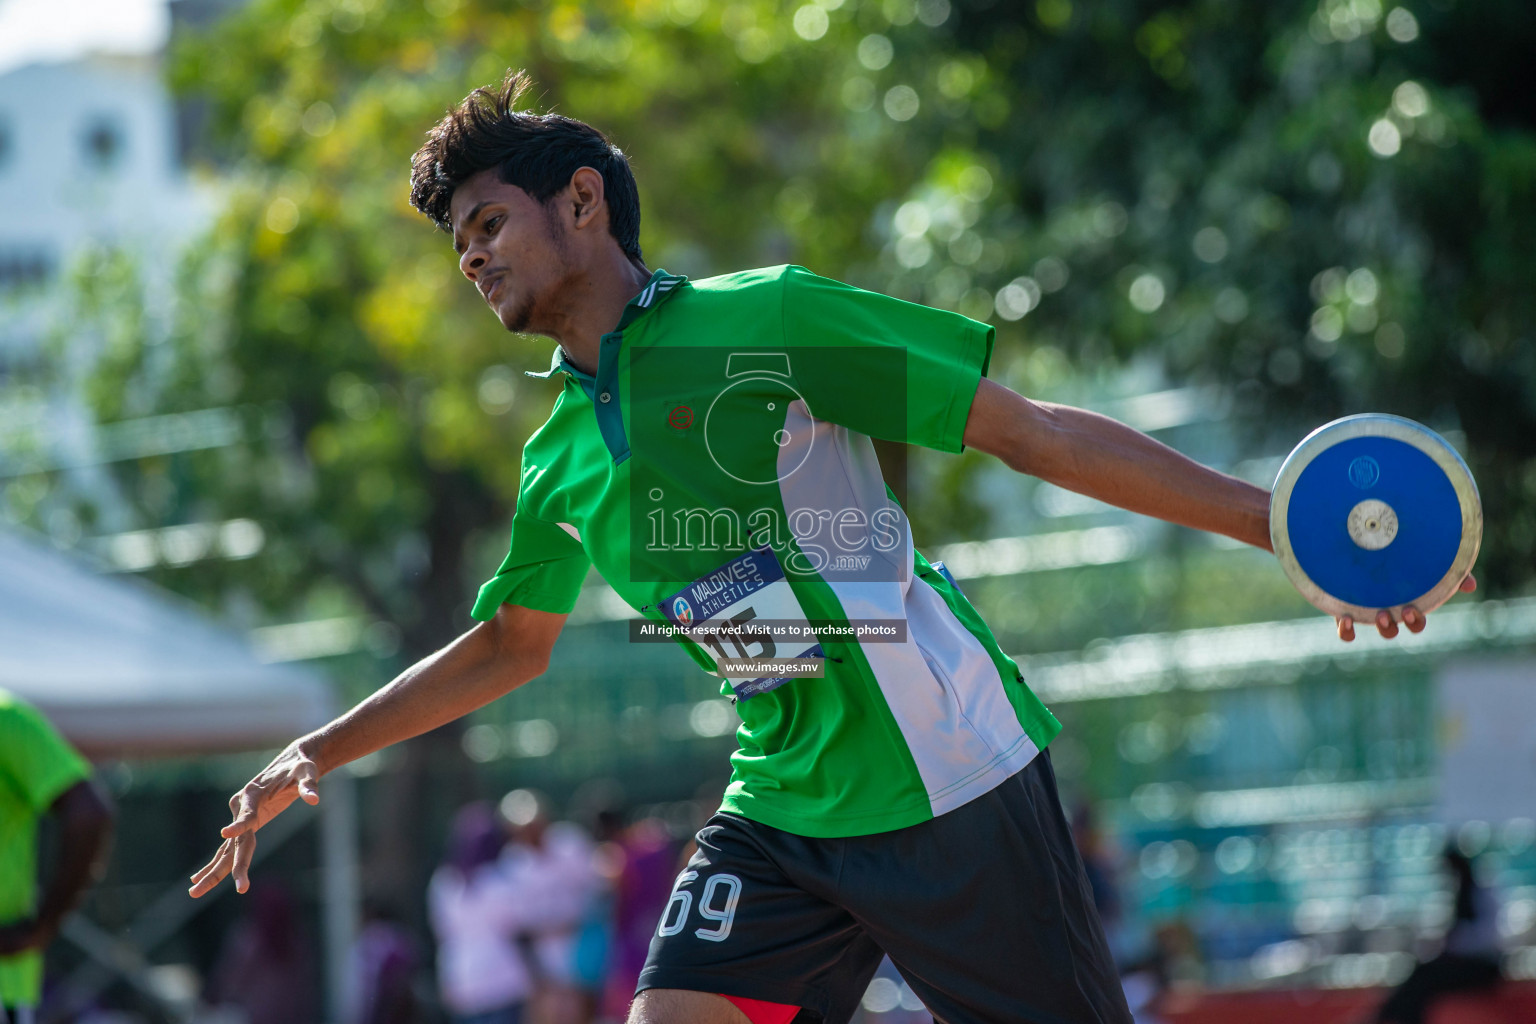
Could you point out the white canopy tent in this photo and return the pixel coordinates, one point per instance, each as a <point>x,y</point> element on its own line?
<point>126,670</point>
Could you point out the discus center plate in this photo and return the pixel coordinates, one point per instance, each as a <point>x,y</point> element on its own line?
<point>1375,512</point>
<point>1372,524</point>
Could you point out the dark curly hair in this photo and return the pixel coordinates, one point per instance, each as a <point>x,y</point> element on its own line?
<point>536,152</point>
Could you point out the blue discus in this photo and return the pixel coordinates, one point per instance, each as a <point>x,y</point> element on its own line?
<point>1375,512</point>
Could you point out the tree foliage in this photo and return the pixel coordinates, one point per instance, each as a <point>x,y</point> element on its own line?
<point>1313,206</point>
<point>1307,203</point>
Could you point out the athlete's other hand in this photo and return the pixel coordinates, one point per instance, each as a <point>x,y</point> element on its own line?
<point>1414,619</point>
<point>292,774</point>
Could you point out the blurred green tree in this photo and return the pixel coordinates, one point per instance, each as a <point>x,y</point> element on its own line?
<point>1319,206</point>
<point>385,406</point>
<point>1306,204</point>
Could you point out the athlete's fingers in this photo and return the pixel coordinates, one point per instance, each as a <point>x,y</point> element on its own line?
<point>1346,628</point>
<point>1385,626</point>
<point>213,872</point>
<point>244,818</point>
<point>204,871</point>
<point>213,863</point>
<point>1469,584</point>
<point>245,805</point>
<point>245,849</point>
<point>1414,619</point>
<point>207,883</point>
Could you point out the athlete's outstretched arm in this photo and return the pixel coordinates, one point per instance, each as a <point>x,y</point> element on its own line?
<point>1105,459</point>
<point>490,660</point>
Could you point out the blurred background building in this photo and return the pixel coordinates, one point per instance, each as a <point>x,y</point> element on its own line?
<point>235,366</point>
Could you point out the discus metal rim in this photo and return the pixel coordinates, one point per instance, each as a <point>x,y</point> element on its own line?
<point>1397,428</point>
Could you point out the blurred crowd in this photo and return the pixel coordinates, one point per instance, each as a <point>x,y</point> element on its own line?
<point>539,921</point>
<point>533,921</point>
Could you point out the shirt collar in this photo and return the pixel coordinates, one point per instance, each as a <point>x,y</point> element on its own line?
<point>656,291</point>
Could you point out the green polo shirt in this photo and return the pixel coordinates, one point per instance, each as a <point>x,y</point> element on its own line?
<point>718,467</point>
<point>36,766</point>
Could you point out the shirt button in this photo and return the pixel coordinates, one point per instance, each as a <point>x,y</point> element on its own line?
<point>605,398</point>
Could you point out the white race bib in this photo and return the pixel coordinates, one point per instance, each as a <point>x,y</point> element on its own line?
<point>717,609</point>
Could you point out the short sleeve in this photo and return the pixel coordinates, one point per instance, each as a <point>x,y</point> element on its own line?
<point>38,762</point>
<point>544,569</point>
<point>890,369</point>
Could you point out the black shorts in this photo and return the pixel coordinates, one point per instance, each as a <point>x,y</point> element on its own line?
<point>985,911</point>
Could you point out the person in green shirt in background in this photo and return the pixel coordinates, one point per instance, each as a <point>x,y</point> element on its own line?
<point>40,774</point>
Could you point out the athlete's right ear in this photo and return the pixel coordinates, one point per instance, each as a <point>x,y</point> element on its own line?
<point>587,196</point>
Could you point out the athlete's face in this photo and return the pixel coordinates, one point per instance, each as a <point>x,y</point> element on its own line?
<point>513,248</point>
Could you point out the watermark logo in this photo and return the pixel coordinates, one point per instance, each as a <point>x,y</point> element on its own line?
<point>750,420</point>
<point>845,541</point>
<point>740,446</point>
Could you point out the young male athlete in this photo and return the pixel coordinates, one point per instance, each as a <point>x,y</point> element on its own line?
<point>709,452</point>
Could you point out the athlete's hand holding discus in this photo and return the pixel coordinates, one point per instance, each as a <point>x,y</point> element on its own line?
<point>1414,619</point>
<point>488,661</point>
<point>1094,455</point>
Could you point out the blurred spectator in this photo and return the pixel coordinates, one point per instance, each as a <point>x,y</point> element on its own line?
<point>1469,958</point>
<point>550,870</point>
<point>594,936</point>
<point>1142,962</point>
<point>644,885</point>
<point>1098,865</point>
<point>1145,981</point>
<point>1176,949</point>
<point>1171,960</point>
<point>265,969</point>
<point>384,964</point>
<point>476,916</point>
<point>40,775</point>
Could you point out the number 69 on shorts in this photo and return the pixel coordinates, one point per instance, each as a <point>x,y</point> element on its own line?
<point>683,900</point>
